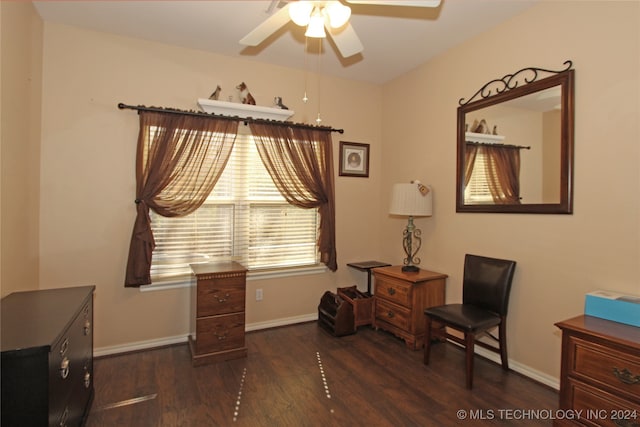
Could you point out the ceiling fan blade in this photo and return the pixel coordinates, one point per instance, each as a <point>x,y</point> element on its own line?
<point>346,40</point>
<point>268,27</point>
<point>415,3</point>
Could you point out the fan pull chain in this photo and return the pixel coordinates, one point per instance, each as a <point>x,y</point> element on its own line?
<point>306,68</point>
<point>319,120</point>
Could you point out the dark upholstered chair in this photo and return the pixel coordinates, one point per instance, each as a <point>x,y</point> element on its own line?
<point>485,298</point>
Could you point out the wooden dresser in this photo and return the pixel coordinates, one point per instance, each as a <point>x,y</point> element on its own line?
<point>400,300</point>
<point>47,357</point>
<point>218,312</point>
<point>600,372</point>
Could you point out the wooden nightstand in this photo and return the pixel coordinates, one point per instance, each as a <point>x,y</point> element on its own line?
<point>218,312</point>
<point>400,300</point>
<point>600,373</point>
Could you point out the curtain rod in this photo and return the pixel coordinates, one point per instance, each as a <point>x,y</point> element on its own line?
<point>219,116</point>
<point>520,147</point>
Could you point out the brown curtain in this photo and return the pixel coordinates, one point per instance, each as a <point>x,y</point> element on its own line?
<point>470,153</point>
<point>503,173</point>
<point>300,163</point>
<point>179,160</point>
<point>502,170</point>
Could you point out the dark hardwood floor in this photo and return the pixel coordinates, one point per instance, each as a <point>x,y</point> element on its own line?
<point>301,376</point>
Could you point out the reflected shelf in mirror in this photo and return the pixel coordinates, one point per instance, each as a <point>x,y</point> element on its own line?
<point>483,138</point>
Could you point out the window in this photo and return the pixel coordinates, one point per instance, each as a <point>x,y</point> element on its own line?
<point>245,217</point>
<point>477,190</point>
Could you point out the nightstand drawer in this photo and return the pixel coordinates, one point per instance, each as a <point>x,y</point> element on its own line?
<point>620,371</point>
<point>219,333</point>
<point>392,313</point>
<point>599,408</point>
<point>220,296</point>
<point>393,290</point>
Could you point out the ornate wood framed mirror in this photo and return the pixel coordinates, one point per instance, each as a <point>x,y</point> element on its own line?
<point>515,144</point>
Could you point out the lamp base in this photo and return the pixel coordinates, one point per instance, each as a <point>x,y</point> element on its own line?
<point>411,268</point>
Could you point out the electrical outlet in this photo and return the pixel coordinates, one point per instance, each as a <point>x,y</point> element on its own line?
<point>258,294</point>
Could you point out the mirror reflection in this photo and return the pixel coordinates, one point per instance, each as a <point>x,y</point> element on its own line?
<point>529,127</point>
<point>515,149</point>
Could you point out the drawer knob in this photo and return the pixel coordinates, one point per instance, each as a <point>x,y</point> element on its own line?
<point>87,327</point>
<point>625,423</point>
<point>64,368</point>
<point>390,314</point>
<point>64,346</point>
<point>391,291</point>
<point>222,335</point>
<point>221,300</point>
<point>87,379</point>
<point>64,418</point>
<point>626,376</point>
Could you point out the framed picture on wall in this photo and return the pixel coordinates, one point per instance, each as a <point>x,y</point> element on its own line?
<point>354,159</point>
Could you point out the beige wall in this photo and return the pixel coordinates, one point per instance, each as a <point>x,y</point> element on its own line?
<point>560,257</point>
<point>20,75</point>
<point>88,153</point>
<point>552,122</point>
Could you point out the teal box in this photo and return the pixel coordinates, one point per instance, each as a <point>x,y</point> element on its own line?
<point>613,306</point>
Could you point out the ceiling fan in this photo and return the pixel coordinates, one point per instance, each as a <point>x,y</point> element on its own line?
<point>318,16</point>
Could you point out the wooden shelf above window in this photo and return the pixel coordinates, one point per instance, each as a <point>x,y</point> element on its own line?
<point>243,110</point>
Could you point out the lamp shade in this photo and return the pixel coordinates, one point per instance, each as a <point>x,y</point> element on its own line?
<point>409,200</point>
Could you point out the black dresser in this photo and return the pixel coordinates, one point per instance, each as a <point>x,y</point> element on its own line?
<point>47,357</point>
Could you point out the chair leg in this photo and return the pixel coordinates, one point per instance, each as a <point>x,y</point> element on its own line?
<point>502,331</point>
<point>427,339</point>
<point>470,341</point>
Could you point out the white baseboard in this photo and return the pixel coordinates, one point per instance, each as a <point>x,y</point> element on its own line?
<point>281,322</point>
<point>178,339</point>
<point>140,345</point>
<point>525,370</point>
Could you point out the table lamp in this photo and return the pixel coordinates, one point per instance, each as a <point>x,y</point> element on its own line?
<point>412,200</point>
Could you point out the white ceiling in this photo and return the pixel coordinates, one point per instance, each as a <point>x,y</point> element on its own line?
<point>395,39</point>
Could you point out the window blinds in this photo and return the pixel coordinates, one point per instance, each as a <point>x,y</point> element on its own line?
<point>245,217</point>
<point>477,190</point>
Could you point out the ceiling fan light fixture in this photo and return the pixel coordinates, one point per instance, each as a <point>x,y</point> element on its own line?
<point>315,28</point>
<point>338,13</point>
<point>300,12</point>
